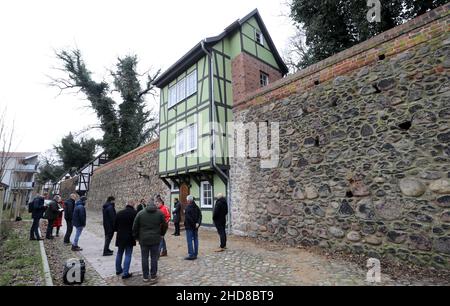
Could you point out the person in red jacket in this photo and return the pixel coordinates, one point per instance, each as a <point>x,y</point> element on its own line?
<point>163,208</point>
<point>58,221</point>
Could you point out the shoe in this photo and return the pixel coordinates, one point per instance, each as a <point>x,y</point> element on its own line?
<point>127,276</point>
<point>50,238</point>
<point>67,243</point>
<point>57,235</point>
<point>190,258</point>
<point>32,239</point>
<point>145,280</point>
<point>107,254</point>
<point>76,249</point>
<point>219,250</point>
<point>111,251</point>
<point>118,273</point>
<point>163,254</point>
<point>176,235</point>
<point>154,280</point>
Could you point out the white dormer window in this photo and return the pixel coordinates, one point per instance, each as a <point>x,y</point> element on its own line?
<point>183,89</point>
<point>259,37</point>
<point>264,79</point>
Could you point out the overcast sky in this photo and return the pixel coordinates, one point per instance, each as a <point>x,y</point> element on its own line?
<point>159,32</point>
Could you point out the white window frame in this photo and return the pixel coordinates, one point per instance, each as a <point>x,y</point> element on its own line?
<point>191,131</point>
<point>264,75</point>
<point>183,137</point>
<point>173,187</point>
<point>202,196</point>
<point>180,136</point>
<point>183,89</point>
<point>259,34</point>
<point>191,83</point>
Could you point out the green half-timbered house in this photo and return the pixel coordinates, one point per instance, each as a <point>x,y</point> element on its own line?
<point>197,94</point>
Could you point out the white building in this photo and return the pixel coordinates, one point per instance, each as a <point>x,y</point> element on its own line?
<point>20,173</point>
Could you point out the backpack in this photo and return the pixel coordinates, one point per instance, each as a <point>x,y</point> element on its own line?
<point>30,206</point>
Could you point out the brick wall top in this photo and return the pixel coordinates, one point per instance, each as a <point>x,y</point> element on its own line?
<point>149,147</point>
<point>389,43</point>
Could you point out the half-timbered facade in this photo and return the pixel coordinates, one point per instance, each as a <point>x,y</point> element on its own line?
<point>197,94</point>
<point>85,173</point>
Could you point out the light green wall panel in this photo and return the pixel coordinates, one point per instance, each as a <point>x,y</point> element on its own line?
<point>192,159</point>
<point>163,139</point>
<point>266,56</point>
<point>207,217</point>
<point>249,45</point>
<point>162,161</point>
<point>235,44</point>
<point>205,145</point>
<point>248,30</point>
<point>181,162</point>
<point>228,69</point>
<point>204,127</point>
<point>219,186</point>
<point>170,160</point>
<point>253,22</point>
<point>229,89</point>
<point>192,102</point>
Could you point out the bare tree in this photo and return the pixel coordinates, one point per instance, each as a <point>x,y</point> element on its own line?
<point>295,51</point>
<point>6,140</point>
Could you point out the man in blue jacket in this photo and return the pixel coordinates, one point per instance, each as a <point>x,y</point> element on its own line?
<point>79,221</point>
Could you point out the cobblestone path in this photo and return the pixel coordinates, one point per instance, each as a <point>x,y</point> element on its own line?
<point>245,262</point>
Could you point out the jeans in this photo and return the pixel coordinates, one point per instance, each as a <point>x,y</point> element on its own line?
<point>162,245</point>
<point>49,228</point>
<point>177,228</point>
<point>153,251</point>
<point>78,232</point>
<point>68,231</point>
<point>127,262</point>
<point>223,235</point>
<point>108,238</point>
<point>34,231</point>
<point>192,242</point>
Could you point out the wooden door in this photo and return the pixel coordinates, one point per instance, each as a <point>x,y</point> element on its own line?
<point>184,192</point>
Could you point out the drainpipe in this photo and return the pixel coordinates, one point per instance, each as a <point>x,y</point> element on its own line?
<point>217,168</point>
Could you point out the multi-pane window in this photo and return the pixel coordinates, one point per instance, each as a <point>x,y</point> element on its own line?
<point>259,37</point>
<point>263,79</point>
<point>180,142</point>
<point>183,89</point>
<point>186,139</point>
<point>191,83</point>
<point>206,198</point>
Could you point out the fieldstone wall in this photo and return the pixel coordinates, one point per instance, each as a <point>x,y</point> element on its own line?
<point>68,187</point>
<point>132,176</point>
<point>364,151</point>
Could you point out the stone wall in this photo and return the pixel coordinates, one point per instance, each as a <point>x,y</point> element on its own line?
<point>364,150</point>
<point>129,177</point>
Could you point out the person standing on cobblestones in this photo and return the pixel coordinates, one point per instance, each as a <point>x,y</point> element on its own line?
<point>79,222</point>
<point>163,208</point>
<point>123,225</point>
<point>148,228</point>
<point>176,216</point>
<point>51,215</point>
<point>220,220</point>
<point>37,210</point>
<point>109,215</point>
<point>69,206</point>
<point>141,205</point>
<point>192,222</point>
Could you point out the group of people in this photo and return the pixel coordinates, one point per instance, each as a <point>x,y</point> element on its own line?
<point>73,210</point>
<point>144,222</point>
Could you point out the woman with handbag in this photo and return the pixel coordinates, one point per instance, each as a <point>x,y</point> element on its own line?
<point>58,221</point>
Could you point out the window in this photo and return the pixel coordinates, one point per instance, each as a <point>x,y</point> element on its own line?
<point>173,187</point>
<point>192,137</point>
<point>183,89</point>
<point>173,95</point>
<point>206,198</point>
<point>264,79</point>
<point>259,37</point>
<point>191,83</point>
<point>186,140</point>
<point>180,142</point>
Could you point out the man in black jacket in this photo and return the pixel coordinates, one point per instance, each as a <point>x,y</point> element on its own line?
<point>176,216</point>
<point>192,222</point>
<point>37,210</point>
<point>220,220</point>
<point>125,241</point>
<point>109,215</point>
<point>69,206</point>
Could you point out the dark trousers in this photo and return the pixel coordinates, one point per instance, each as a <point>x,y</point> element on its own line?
<point>177,228</point>
<point>153,252</point>
<point>34,232</point>
<point>108,238</point>
<point>68,231</point>
<point>49,228</point>
<point>223,235</point>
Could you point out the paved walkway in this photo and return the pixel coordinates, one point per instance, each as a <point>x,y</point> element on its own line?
<point>246,262</point>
